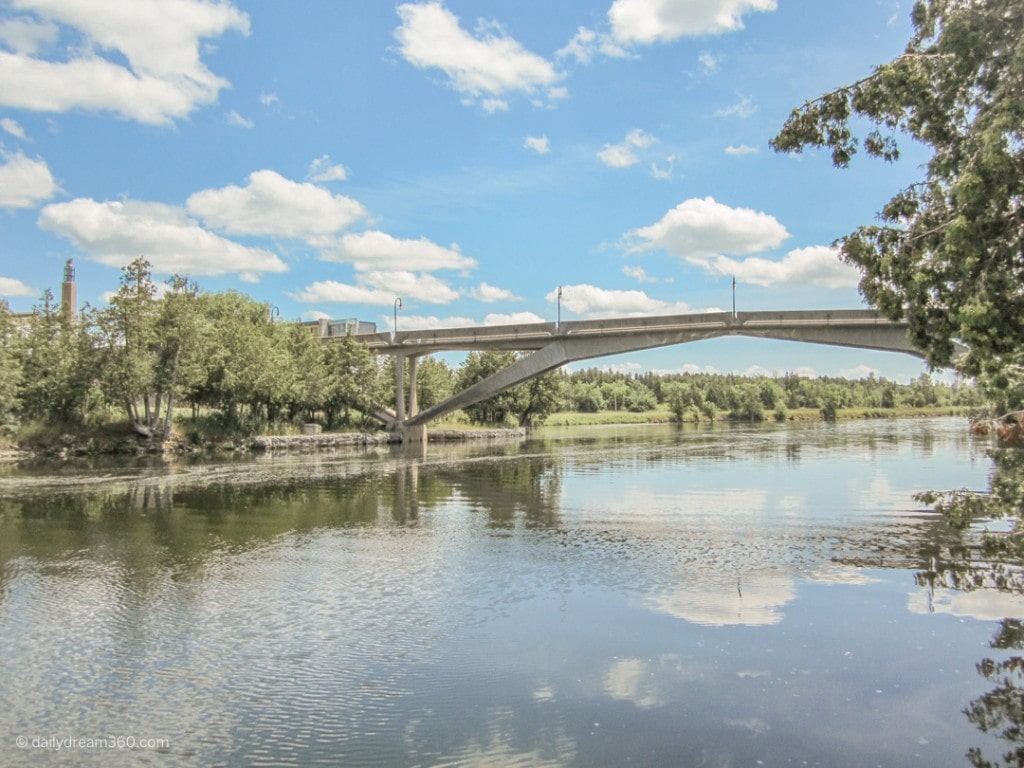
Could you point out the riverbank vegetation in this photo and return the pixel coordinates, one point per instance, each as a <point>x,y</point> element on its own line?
<point>165,360</point>
<point>947,252</point>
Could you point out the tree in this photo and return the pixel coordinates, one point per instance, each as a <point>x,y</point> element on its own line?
<point>948,253</point>
<point>527,403</point>
<point>57,365</point>
<point>478,366</point>
<point>354,379</point>
<point>640,397</point>
<point>616,393</point>
<point>128,330</point>
<point>434,382</point>
<point>10,370</point>
<point>179,341</point>
<point>541,396</point>
<point>587,397</point>
<point>678,397</point>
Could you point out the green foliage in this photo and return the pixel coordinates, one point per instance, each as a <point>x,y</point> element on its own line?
<point>947,253</point>
<point>10,370</point>
<point>587,397</point>
<point>146,353</point>
<point>477,367</point>
<point>354,380</point>
<point>435,382</point>
<point>640,397</point>
<point>57,367</point>
<point>746,402</point>
<point>523,404</point>
<point>615,394</point>
<point>129,339</point>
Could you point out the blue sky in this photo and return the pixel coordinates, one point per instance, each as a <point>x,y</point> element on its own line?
<point>466,157</point>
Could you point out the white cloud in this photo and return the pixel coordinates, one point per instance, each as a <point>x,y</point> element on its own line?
<point>708,63</point>
<point>816,265</point>
<point>321,170</point>
<point>490,294</point>
<point>491,106</point>
<point>269,100</point>
<point>426,322</point>
<point>487,65</point>
<point>988,605</point>
<point>593,302</point>
<point>859,372</point>
<point>640,275</point>
<point>658,21</point>
<point>9,286</point>
<point>273,205</point>
<point>759,601</point>
<point>114,233</point>
<point>558,93</point>
<point>165,78</point>
<point>806,372</point>
<point>25,183</point>
<point>628,368</point>
<point>742,149</point>
<point>515,318</point>
<point>663,174</point>
<point>12,127</point>
<point>380,288</point>
<point>379,250</point>
<point>635,681</point>
<point>538,144</point>
<point>314,314</point>
<point>237,121</point>
<point>618,156</point>
<point>743,108</point>
<point>686,368</point>
<point>699,229</point>
<point>26,35</point>
<point>586,43</point>
<point>623,155</point>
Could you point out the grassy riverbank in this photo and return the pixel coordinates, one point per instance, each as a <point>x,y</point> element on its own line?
<point>208,435</point>
<point>664,416</point>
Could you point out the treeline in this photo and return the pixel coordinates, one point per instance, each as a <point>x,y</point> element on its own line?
<point>157,349</point>
<point>152,351</point>
<point>695,396</point>
<point>699,396</point>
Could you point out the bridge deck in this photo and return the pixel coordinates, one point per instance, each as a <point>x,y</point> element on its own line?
<point>534,336</point>
<point>554,344</point>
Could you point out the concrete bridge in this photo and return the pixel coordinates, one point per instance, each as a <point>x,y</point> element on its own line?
<point>555,344</point>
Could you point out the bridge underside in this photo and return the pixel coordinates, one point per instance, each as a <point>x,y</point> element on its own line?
<point>552,346</point>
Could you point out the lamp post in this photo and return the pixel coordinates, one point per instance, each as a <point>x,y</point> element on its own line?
<point>558,322</point>
<point>734,296</point>
<point>394,326</point>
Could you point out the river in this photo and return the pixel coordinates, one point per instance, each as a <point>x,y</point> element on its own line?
<point>653,596</point>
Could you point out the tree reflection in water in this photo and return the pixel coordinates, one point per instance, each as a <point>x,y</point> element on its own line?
<point>1000,712</point>
<point>993,561</point>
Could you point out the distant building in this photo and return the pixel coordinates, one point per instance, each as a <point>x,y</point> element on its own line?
<point>69,293</point>
<point>68,300</point>
<point>326,328</point>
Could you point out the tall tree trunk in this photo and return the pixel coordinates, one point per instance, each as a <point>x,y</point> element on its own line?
<point>170,396</point>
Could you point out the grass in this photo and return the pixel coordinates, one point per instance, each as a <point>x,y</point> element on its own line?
<point>664,416</point>
<point>574,419</point>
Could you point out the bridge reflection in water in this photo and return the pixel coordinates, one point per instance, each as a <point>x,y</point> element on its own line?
<point>555,344</point>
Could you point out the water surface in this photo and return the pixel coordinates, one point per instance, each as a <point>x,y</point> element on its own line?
<point>614,596</point>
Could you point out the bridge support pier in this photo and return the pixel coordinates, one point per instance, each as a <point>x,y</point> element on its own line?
<point>411,435</point>
<point>407,433</point>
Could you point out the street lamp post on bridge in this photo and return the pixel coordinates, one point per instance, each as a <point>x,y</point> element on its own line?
<point>394,325</point>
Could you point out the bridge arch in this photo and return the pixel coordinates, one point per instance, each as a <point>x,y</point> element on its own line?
<point>552,345</point>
